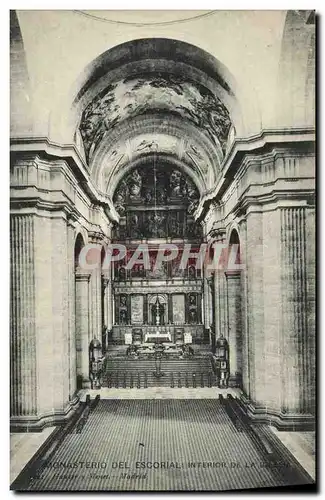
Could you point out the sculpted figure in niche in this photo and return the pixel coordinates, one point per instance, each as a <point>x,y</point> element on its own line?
<point>191,194</point>
<point>192,275</point>
<point>192,316</point>
<point>123,300</point>
<point>192,300</point>
<point>175,227</point>
<point>122,273</point>
<point>175,183</point>
<point>134,229</point>
<point>120,198</point>
<point>135,183</point>
<point>148,197</point>
<point>161,195</point>
<point>123,317</point>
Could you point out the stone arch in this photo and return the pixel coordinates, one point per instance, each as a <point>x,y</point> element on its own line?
<point>78,246</point>
<point>234,304</point>
<point>148,54</point>
<point>148,159</point>
<point>21,109</point>
<point>296,80</point>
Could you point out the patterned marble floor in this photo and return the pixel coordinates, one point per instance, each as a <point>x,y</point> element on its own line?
<point>188,444</point>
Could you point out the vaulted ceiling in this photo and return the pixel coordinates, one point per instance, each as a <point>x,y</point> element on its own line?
<point>150,98</point>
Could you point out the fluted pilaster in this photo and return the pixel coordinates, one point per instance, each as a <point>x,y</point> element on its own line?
<point>23,395</point>
<point>294,338</point>
<point>71,310</point>
<point>107,304</point>
<point>234,325</point>
<point>83,336</point>
<point>244,308</point>
<point>206,300</point>
<point>95,297</point>
<point>221,303</point>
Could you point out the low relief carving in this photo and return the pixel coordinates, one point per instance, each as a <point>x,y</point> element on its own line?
<point>151,145</point>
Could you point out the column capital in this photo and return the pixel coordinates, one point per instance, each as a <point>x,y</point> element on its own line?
<point>217,235</point>
<point>106,280</point>
<point>97,238</point>
<point>82,275</point>
<point>232,274</point>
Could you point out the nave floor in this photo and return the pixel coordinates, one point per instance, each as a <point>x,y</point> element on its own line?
<point>178,433</point>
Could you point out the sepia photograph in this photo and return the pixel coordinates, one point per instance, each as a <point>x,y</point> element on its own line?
<point>162,250</point>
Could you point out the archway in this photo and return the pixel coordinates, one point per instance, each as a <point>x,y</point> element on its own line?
<point>234,303</point>
<point>81,316</point>
<point>156,202</point>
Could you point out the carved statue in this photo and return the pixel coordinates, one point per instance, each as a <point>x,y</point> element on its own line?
<point>175,183</point>
<point>134,226</point>
<point>193,316</point>
<point>135,183</point>
<point>122,273</point>
<point>192,297</point>
<point>161,195</point>
<point>123,317</point>
<point>120,197</point>
<point>123,300</point>
<point>175,226</point>
<point>148,197</point>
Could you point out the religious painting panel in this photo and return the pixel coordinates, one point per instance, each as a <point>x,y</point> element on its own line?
<point>137,309</point>
<point>178,309</point>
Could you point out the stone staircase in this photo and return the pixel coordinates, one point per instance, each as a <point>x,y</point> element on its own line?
<point>140,373</point>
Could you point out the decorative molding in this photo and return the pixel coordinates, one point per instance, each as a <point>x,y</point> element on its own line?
<point>163,288</point>
<point>38,423</point>
<point>42,145</point>
<point>258,144</point>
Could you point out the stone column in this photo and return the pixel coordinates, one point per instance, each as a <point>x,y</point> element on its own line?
<point>170,308</point>
<point>108,304</point>
<point>145,309</point>
<point>296,343</point>
<point>221,308</point>
<point>23,344</point>
<point>212,311</point>
<point>206,300</point>
<point>234,325</point>
<point>71,310</point>
<point>244,309</point>
<point>95,293</point>
<point>255,305</point>
<point>199,307</point>
<point>83,336</point>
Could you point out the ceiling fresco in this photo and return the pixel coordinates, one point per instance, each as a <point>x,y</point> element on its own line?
<point>132,97</point>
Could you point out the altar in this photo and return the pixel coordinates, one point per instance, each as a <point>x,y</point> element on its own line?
<point>157,337</point>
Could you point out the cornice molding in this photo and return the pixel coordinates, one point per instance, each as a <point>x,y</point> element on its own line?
<point>68,152</point>
<point>257,143</point>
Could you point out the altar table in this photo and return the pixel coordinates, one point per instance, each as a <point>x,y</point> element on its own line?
<point>158,337</point>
